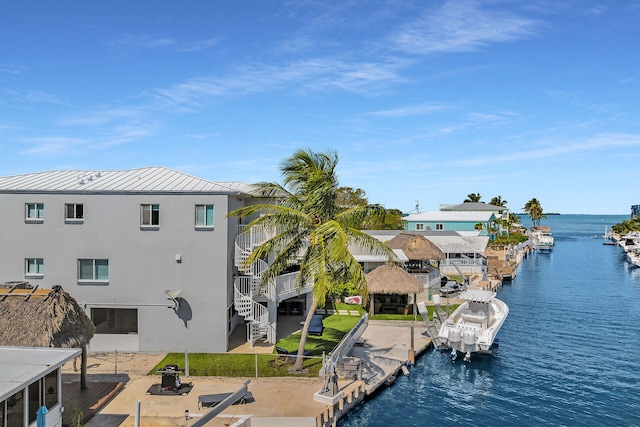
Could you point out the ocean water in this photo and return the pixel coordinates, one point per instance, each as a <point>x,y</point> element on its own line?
<point>569,351</point>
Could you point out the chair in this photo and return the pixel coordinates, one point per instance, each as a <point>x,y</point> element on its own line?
<point>316,326</point>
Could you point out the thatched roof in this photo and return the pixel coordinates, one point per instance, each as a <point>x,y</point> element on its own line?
<point>416,247</point>
<point>391,279</point>
<point>42,318</point>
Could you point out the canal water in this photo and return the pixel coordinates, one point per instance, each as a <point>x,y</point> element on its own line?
<point>569,351</point>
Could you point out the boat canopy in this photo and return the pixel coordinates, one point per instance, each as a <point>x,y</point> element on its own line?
<point>477,295</point>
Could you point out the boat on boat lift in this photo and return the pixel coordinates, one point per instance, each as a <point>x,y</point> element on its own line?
<point>473,326</point>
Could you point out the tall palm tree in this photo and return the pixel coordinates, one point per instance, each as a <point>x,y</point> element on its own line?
<point>473,198</point>
<point>310,229</point>
<point>533,208</point>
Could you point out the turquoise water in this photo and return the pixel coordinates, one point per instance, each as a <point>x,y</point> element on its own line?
<point>569,351</point>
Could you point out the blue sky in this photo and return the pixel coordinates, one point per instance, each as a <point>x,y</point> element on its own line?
<point>423,100</point>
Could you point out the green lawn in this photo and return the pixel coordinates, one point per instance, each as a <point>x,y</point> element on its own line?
<point>267,365</point>
<point>272,365</point>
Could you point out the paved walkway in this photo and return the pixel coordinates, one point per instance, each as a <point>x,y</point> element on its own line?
<point>278,402</point>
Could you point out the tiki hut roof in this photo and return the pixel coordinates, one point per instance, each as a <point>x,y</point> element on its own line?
<point>391,279</point>
<point>42,318</point>
<point>416,247</point>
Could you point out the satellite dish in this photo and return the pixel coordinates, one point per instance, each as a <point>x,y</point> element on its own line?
<point>173,296</point>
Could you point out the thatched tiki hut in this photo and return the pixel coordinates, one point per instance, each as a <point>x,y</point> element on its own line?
<point>389,287</point>
<point>33,317</point>
<point>416,248</point>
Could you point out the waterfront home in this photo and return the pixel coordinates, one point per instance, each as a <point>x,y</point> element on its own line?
<point>31,385</point>
<point>148,253</point>
<point>460,221</point>
<point>463,254</point>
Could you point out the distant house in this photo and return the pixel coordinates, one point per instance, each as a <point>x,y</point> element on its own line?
<point>459,221</point>
<point>463,254</point>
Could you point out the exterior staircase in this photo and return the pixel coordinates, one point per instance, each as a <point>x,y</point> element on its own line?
<point>247,286</point>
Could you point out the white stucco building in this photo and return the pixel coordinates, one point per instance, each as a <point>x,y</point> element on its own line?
<point>149,253</point>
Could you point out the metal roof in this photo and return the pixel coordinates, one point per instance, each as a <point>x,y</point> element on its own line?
<point>143,180</point>
<point>477,295</point>
<point>450,216</point>
<point>20,366</point>
<point>449,242</point>
<point>473,206</point>
<point>460,244</point>
<point>365,257</point>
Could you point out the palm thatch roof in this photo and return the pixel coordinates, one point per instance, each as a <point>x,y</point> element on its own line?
<point>416,247</point>
<point>391,279</point>
<point>42,318</point>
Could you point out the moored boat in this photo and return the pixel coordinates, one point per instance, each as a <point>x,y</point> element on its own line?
<point>542,239</point>
<point>473,326</point>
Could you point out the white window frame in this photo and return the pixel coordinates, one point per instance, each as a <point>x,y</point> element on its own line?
<point>439,227</point>
<point>94,272</point>
<point>205,225</point>
<point>38,208</point>
<point>153,223</point>
<point>419,227</point>
<point>75,218</point>
<point>39,267</point>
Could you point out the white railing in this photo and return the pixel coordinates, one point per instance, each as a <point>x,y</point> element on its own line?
<point>462,261</point>
<point>256,314</point>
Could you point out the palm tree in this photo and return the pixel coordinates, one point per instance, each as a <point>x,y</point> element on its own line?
<point>473,198</point>
<point>535,211</point>
<point>497,201</point>
<point>311,230</point>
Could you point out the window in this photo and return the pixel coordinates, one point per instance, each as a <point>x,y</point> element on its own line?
<point>43,392</point>
<point>50,389</point>
<point>204,215</point>
<point>115,320</point>
<point>15,409</point>
<point>74,212</point>
<point>34,267</point>
<point>419,226</point>
<point>440,227</point>
<point>93,270</point>
<point>35,212</point>
<point>150,215</point>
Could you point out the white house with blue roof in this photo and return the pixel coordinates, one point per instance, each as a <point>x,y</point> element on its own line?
<point>459,221</point>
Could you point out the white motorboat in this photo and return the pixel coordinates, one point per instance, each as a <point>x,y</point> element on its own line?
<point>473,326</point>
<point>542,239</point>
<point>630,242</point>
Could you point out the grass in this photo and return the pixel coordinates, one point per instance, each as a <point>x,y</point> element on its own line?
<point>272,365</point>
<point>430,310</point>
<point>335,327</point>
<point>267,365</point>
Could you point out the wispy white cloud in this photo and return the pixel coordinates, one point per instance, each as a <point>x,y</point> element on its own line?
<point>555,150</point>
<point>11,69</point>
<point>303,76</point>
<point>411,110</point>
<point>459,26</point>
<point>58,145</point>
<point>101,116</point>
<point>33,97</point>
<point>147,42</point>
